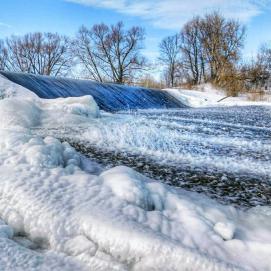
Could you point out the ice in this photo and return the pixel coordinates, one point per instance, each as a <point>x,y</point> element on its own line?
<point>116,219</point>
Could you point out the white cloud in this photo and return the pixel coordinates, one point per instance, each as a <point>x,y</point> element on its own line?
<point>5,25</point>
<point>171,14</point>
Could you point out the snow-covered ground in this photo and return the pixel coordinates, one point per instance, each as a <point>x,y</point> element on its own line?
<point>207,96</point>
<point>61,211</point>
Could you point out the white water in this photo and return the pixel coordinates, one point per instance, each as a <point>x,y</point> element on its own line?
<point>200,143</point>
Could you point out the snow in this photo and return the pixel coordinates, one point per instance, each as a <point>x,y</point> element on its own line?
<point>17,112</point>
<point>9,89</point>
<point>117,219</point>
<point>225,230</point>
<point>17,254</point>
<point>206,95</point>
<point>82,106</point>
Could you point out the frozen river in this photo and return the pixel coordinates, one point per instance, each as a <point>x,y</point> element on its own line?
<point>222,152</point>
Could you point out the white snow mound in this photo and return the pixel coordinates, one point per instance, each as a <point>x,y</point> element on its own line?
<point>208,96</point>
<point>10,89</point>
<point>82,106</point>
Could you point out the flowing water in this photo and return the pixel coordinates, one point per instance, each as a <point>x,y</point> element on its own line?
<point>223,152</point>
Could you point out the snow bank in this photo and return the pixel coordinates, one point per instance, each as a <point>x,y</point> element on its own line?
<point>116,220</point>
<point>9,89</point>
<point>207,96</point>
<point>20,106</point>
<point>16,253</point>
<point>18,112</point>
<point>82,106</point>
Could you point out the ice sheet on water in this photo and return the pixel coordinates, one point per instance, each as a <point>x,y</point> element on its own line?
<point>117,219</point>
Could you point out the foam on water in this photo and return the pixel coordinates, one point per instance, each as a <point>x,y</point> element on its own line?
<point>220,146</point>
<point>179,142</point>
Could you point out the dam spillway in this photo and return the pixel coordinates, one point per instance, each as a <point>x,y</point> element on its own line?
<point>109,97</point>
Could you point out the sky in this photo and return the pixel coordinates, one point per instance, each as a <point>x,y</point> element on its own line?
<point>159,18</point>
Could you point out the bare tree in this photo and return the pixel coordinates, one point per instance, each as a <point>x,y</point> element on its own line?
<point>3,56</point>
<point>110,53</point>
<point>222,40</point>
<point>257,72</point>
<point>88,54</point>
<point>264,57</point>
<point>210,50</point>
<point>38,53</point>
<point>193,58</point>
<point>170,57</point>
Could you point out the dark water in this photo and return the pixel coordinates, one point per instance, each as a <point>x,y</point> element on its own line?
<point>224,153</point>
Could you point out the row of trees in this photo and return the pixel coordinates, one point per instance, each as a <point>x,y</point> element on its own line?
<point>256,73</point>
<point>107,53</point>
<point>46,54</point>
<point>207,49</point>
<point>204,50</point>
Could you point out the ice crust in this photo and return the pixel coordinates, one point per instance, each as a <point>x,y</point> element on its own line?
<point>70,219</point>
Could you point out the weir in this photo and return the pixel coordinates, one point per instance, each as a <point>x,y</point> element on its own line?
<point>109,97</point>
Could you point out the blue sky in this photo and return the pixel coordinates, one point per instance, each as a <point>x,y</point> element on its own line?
<point>159,17</point>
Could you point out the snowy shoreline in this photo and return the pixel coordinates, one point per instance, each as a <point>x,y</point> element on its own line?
<point>115,220</point>
<point>208,96</point>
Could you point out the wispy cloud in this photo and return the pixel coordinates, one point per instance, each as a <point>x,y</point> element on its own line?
<point>5,25</point>
<point>171,14</point>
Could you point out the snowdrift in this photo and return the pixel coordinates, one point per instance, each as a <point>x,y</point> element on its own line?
<point>109,97</point>
<point>208,96</point>
<point>10,89</point>
<point>59,213</point>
